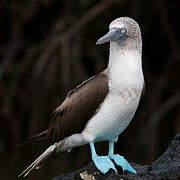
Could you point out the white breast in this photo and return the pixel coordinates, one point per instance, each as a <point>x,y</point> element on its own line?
<point>125,87</point>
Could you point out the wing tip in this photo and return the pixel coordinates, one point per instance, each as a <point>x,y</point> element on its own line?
<point>39,161</point>
<point>35,139</point>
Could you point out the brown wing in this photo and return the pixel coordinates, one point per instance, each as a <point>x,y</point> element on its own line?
<point>79,106</point>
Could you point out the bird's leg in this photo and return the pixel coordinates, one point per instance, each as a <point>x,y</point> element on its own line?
<point>103,163</point>
<point>119,160</point>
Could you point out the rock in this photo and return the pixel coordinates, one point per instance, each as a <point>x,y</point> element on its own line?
<point>167,166</point>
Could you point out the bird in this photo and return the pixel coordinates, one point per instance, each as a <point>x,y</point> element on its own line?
<point>102,107</point>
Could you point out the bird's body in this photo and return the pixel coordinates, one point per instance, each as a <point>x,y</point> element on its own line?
<point>125,86</point>
<point>103,106</point>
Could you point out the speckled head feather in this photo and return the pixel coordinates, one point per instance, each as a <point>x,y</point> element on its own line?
<point>124,34</point>
<point>133,32</point>
<point>132,27</point>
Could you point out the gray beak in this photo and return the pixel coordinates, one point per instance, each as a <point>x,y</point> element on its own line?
<point>114,35</point>
<point>107,37</point>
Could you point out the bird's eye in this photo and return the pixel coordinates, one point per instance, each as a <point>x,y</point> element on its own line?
<point>123,30</point>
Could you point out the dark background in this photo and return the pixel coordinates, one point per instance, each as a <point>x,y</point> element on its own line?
<point>48,47</point>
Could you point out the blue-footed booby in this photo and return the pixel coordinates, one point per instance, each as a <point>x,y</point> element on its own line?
<point>102,107</point>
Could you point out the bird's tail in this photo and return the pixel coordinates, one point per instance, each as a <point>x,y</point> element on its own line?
<point>41,137</point>
<point>48,156</point>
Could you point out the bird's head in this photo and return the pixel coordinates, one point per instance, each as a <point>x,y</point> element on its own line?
<point>120,30</point>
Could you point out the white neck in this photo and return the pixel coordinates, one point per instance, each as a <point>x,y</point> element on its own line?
<point>125,66</point>
<point>128,48</point>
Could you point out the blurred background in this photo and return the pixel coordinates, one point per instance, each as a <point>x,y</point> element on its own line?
<point>48,47</point>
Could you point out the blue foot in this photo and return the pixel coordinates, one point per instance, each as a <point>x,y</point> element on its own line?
<point>120,161</point>
<point>103,163</point>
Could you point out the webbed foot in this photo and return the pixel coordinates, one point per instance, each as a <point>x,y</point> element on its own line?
<point>121,161</point>
<point>103,163</point>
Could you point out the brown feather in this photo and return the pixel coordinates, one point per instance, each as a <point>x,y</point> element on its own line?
<point>41,137</point>
<point>79,106</point>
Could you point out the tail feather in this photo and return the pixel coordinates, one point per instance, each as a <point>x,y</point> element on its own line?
<point>41,160</point>
<point>41,137</point>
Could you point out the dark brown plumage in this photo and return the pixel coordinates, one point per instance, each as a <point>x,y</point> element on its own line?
<point>79,106</point>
